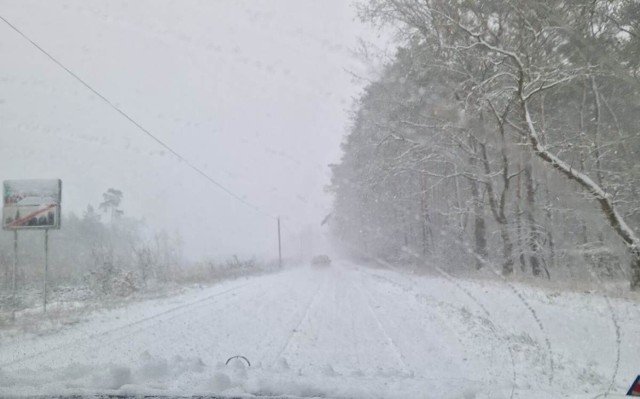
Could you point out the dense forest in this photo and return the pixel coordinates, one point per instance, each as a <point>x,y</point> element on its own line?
<point>502,137</point>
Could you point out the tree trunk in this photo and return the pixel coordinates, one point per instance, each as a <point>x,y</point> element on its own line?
<point>635,268</point>
<point>534,260</point>
<point>424,219</point>
<point>507,250</point>
<point>498,205</point>
<point>480,236</point>
<point>519,227</point>
<point>549,215</point>
<point>479,224</point>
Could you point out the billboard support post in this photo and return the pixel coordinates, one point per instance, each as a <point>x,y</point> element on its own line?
<point>46,266</point>
<point>32,204</point>
<point>14,277</point>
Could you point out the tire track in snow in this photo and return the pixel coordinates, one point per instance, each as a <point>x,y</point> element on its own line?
<point>246,307</point>
<point>100,335</point>
<point>355,337</point>
<point>494,327</point>
<point>421,299</point>
<point>482,325</point>
<point>452,280</point>
<point>391,343</point>
<point>291,337</point>
<point>617,329</point>
<point>516,292</point>
<point>188,329</point>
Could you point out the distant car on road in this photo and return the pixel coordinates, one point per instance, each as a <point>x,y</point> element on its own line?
<point>320,261</point>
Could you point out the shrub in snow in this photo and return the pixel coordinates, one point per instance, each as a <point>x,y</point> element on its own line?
<point>108,279</point>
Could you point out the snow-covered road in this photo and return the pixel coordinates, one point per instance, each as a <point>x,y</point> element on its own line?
<point>345,331</point>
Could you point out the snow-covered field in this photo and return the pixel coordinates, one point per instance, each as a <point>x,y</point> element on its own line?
<point>345,331</point>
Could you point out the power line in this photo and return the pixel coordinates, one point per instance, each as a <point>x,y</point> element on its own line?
<point>136,124</point>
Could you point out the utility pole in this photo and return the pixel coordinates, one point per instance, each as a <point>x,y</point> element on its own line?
<point>279,245</point>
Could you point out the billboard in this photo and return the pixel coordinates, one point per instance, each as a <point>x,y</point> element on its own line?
<point>31,204</point>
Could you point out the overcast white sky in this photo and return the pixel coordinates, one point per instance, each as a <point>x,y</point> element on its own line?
<point>255,92</point>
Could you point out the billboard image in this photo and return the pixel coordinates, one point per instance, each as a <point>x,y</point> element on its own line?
<point>31,204</point>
